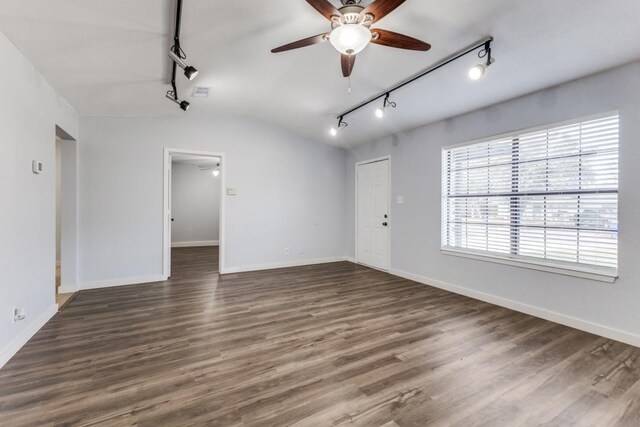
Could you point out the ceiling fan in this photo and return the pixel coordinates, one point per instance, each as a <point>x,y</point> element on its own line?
<point>351,30</point>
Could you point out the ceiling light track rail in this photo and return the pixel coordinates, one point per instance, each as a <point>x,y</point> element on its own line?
<point>484,44</point>
<point>178,57</point>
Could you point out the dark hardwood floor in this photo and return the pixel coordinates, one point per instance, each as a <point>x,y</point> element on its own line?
<point>335,344</point>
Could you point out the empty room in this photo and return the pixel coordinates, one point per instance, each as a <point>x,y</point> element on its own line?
<point>320,213</point>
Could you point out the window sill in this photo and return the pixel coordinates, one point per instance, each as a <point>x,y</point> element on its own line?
<point>600,275</point>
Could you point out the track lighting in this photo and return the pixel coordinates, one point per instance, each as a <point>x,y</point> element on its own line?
<point>341,125</point>
<point>189,71</point>
<point>178,56</point>
<point>171,95</point>
<point>484,47</point>
<point>477,71</point>
<point>381,111</point>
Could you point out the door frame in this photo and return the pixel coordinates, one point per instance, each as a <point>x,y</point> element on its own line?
<point>362,163</point>
<point>166,220</point>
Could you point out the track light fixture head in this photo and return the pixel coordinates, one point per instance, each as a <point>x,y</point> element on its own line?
<point>189,71</point>
<point>171,95</point>
<point>477,71</point>
<point>341,125</point>
<point>216,171</point>
<point>381,111</point>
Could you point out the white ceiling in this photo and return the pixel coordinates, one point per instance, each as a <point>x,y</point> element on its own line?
<point>109,58</point>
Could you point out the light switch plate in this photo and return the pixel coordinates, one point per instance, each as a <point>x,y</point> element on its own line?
<point>400,200</point>
<point>232,191</point>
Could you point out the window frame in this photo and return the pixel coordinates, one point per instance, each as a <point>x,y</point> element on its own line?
<point>592,272</point>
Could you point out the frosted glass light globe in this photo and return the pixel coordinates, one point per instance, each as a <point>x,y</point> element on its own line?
<point>350,39</point>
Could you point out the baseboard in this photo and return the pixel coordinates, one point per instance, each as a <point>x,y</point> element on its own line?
<point>563,319</point>
<point>351,259</point>
<point>121,282</point>
<point>68,289</point>
<point>195,244</point>
<point>302,263</point>
<point>14,346</point>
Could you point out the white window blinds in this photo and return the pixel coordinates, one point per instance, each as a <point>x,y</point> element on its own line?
<point>548,196</point>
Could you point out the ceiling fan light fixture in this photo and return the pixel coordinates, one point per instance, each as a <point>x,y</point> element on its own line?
<point>350,39</point>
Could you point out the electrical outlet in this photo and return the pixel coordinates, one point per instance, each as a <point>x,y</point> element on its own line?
<point>19,313</point>
<point>286,251</point>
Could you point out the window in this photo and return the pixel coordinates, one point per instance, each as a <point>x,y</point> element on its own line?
<point>541,197</point>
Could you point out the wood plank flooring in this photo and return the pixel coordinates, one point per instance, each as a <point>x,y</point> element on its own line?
<point>328,345</point>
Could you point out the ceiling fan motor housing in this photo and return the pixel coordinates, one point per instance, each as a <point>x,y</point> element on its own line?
<point>350,15</point>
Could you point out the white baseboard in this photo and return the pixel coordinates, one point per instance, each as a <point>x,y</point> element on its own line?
<point>121,282</point>
<point>351,259</point>
<point>563,319</point>
<point>195,244</point>
<point>14,346</point>
<point>289,264</point>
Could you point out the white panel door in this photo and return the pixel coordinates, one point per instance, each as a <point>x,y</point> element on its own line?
<point>373,214</point>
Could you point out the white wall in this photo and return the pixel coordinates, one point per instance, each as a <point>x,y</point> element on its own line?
<point>29,112</point>
<point>290,194</point>
<point>195,205</point>
<point>416,175</point>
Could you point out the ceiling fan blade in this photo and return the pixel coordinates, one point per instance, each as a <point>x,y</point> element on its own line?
<point>301,43</point>
<point>397,40</point>
<point>325,8</point>
<point>348,61</point>
<point>381,8</point>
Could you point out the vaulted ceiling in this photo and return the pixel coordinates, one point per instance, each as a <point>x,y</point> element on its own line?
<point>109,58</point>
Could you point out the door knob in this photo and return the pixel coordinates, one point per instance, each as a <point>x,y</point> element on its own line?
<point>172,220</point>
<point>385,224</point>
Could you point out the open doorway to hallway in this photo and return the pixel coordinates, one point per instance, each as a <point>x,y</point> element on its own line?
<point>195,207</point>
<point>66,216</point>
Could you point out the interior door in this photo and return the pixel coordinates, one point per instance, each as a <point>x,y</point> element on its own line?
<point>373,214</point>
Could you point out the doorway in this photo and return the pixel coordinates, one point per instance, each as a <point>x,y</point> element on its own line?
<point>193,212</point>
<point>66,217</point>
<point>373,213</point>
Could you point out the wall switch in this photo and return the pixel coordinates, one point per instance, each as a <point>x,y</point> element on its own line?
<point>232,191</point>
<point>37,167</point>
<point>19,313</point>
<point>400,200</point>
<point>286,251</point>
